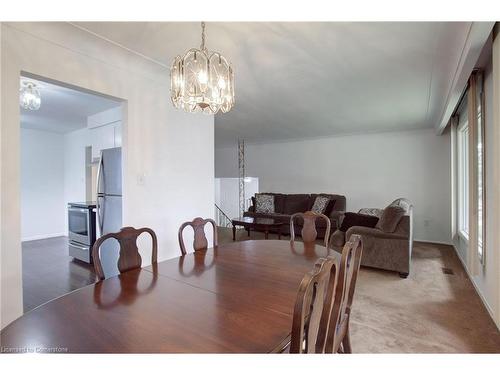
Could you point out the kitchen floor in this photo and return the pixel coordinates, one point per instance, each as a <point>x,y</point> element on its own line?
<point>49,272</point>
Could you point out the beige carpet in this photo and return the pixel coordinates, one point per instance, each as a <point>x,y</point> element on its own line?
<point>429,312</point>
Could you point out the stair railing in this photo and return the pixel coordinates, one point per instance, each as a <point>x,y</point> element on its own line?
<point>221,219</point>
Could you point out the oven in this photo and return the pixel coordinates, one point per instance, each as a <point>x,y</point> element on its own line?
<point>81,223</point>
<point>81,230</point>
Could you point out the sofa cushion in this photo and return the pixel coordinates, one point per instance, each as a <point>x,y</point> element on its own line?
<point>352,219</point>
<point>279,202</point>
<point>296,203</point>
<point>264,203</point>
<point>390,219</point>
<point>320,204</point>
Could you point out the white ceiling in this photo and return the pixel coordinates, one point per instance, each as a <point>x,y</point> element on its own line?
<point>63,109</point>
<point>306,80</point>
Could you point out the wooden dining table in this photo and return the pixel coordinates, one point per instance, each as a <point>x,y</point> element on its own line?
<point>235,298</point>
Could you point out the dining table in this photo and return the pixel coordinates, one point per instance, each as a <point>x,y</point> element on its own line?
<point>234,298</point>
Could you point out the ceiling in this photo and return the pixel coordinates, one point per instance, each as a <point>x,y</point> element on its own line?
<point>311,79</point>
<point>63,109</point>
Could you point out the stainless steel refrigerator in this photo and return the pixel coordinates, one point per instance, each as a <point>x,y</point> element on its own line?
<point>109,206</point>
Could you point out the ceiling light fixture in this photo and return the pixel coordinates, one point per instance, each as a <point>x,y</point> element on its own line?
<point>29,96</point>
<point>202,81</point>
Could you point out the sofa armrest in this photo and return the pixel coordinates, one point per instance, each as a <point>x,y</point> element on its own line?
<point>251,209</point>
<point>336,219</point>
<point>373,232</point>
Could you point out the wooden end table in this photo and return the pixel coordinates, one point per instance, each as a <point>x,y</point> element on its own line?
<point>257,223</point>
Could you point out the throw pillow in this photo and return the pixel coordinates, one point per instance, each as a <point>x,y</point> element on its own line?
<point>320,204</point>
<point>264,204</point>
<point>330,206</point>
<point>390,219</point>
<point>352,219</point>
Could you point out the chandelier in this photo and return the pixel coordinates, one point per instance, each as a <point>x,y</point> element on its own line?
<point>29,96</point>
<point>202,81</point>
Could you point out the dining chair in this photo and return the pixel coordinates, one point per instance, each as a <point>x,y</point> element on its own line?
<point>309,232</point>
<point>200,240</point>
<point>129,257</point>
<point>312,307</point>
<point>338,334</point>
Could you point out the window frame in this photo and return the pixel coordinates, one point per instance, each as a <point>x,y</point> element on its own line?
<point>480,157</point>
<point>463,154</point>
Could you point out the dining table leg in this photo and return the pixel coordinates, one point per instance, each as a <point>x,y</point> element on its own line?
<point>234,232</point>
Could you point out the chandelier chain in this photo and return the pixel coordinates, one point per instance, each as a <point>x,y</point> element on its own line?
<point>203,36</point>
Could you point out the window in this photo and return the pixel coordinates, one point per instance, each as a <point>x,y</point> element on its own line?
<point>481,215</point>
<point>469,174</point>
<point>463,179</point>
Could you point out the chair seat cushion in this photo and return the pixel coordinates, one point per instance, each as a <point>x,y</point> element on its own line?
<point>352,219</point>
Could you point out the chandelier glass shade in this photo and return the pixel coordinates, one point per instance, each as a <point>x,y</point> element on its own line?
<point>29,96</point>
<point>202,81</point>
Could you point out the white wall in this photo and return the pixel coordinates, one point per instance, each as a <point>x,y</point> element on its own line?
<point>370,170</point>
<point>53,173</point>
<point>168,174</point>
<point>74,168</point>
<point>42,184</point>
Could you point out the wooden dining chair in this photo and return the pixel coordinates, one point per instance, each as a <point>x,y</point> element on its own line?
<point>129,257</point>
<point>312,307</point>
<point>200,240</point>
<point>309,232</point>
<point>338,337</point>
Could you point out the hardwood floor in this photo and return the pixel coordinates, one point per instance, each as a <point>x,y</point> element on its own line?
<point>49,272</point>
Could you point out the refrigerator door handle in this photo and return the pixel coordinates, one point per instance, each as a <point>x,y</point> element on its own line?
<point>100,214</point>
<point>98,207</point>
<point>99,172</point>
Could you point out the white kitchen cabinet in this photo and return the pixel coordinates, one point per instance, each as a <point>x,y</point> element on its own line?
<point>105,130</point>
<point>109,116</point>
<point>103,137</point>
<point>118,134</point>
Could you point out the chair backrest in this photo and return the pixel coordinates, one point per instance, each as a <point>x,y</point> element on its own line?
<point>129,257</point>
<point>312,307</point>
<point>344,293</point>
<point>200,240</point>
<point>309,232</point>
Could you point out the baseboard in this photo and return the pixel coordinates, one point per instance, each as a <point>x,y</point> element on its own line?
<point>478,291</point>
<point>43,236</point>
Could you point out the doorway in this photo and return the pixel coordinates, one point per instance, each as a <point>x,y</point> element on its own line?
<point>63,130</point>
